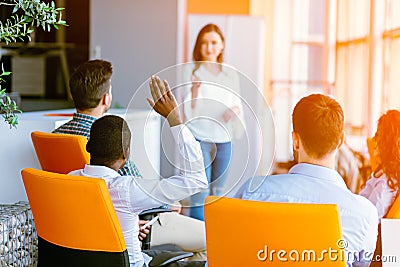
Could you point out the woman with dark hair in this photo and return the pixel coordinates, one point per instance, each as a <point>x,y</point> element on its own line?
<point>213,110</point>
<point>383,186</point>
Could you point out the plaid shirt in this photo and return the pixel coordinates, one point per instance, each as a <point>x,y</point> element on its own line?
<point>80,125</point>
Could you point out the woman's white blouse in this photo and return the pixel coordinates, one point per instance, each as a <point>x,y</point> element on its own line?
<point>379,193</point>
<point>217,94</point>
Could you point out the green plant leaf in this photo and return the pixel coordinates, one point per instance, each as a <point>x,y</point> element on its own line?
<point>35,12</point>
<point>15,9</point>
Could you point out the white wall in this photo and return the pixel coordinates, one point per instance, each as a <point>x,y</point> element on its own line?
<point>138,36</point>
<point>17,153</point>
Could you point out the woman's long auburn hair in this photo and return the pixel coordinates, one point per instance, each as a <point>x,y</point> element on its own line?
<point>197,57</point>
<point>387,138</point>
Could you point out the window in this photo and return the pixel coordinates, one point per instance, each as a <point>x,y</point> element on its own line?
<point>301,61</point>
<point>352,62</point>
<point>391,40</point>
<point>350,49</point>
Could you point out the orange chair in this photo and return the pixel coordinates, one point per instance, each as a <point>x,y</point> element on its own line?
<point>60,153</point>
<point>394,211</point>
<point>75,220</point>
<point>251,233</point>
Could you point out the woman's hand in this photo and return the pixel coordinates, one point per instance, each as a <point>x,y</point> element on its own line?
<point>231,113</point>
<point>143,232</point>
<point>195,89</point>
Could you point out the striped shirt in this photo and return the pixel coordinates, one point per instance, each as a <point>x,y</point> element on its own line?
<point>80,125</point>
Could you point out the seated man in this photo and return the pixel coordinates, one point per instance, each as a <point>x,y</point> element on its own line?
<point>90,86</point>
<point>109,147</point>
<point>317,135</point>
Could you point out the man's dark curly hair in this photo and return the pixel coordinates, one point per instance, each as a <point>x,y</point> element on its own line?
<point>110,139</point>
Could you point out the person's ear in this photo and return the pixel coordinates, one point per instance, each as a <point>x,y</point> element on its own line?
<point>106,100</point>
<point>126,152</point>
<point>124,158</point>
<point>295,141</point>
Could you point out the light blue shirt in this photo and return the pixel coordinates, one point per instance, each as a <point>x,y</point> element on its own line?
<point>307,183</point>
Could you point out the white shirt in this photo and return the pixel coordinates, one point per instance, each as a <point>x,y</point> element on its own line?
<point>217,94</point>
<point>307,183</point>
<point>132,195</point>
<point>379,193</point>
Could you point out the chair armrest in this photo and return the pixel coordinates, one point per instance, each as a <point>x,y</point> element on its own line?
<point>154,211</point>
<point>148,215</point>
<point>169,257</point>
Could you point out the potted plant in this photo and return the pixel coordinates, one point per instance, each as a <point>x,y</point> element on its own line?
<point>26,15</point>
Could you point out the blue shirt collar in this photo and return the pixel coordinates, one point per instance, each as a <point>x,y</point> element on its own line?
<point>318,172</point>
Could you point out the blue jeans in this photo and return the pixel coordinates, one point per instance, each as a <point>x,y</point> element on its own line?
<point>217,157</point>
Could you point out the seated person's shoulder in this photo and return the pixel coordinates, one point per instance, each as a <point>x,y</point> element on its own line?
<point>123,181</point>
<point>263,183</point>
<point>364,203</point>
<point>358,206</point>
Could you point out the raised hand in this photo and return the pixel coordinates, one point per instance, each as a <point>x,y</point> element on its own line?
<point>164,102</point>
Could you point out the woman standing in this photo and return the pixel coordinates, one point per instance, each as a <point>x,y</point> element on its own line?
<point>213,111</point>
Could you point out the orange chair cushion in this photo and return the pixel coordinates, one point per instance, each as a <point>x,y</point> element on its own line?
<point>239,232</point>
<point>73,211</point>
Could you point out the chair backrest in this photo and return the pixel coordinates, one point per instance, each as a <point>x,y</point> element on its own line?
<point>394,210</point>
<point>251,233</point>
<point>60,153</point>
<point>75,220</point>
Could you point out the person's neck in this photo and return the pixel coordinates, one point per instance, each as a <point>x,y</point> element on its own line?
<point>115,166</point>
<point>327,161</point>
<point>212,67</point>
<point>97,112</point>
